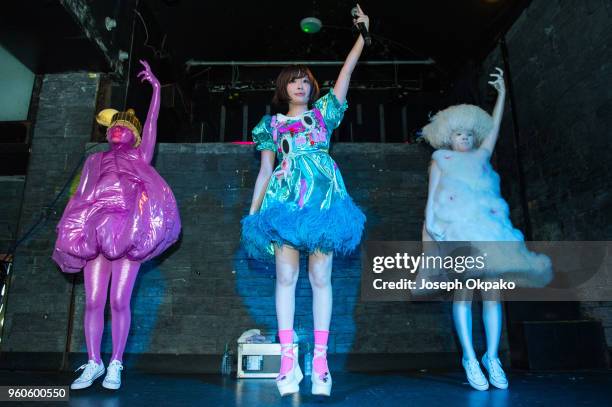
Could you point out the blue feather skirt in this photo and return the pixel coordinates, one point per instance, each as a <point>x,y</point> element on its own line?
<point>337,229</point>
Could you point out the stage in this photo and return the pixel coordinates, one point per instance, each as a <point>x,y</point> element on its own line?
<point>182,153</point>
<point>423,388</point>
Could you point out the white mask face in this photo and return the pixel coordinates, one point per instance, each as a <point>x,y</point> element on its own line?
<point>462,140</point>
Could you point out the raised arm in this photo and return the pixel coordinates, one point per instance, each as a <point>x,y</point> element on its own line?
<point>499,85</point>
<point>149,130</point>
<point>263,178</point>
<point>344,78</point>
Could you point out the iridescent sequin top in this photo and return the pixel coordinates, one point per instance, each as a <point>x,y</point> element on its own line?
<point>306,204</point>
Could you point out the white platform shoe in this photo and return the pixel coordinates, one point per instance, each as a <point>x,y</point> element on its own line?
<point>321,384</point>
<point>91,371</point>
<point>289,382</point>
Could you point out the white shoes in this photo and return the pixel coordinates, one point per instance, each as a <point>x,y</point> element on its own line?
<point>112,380</point>
<point>497,377</point>
<point>474,375</point>
<point>91,371</point>
<point>321,384</point>
<point>289,383</point>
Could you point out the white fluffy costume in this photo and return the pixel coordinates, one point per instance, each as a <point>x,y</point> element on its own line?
<point>467,203</point>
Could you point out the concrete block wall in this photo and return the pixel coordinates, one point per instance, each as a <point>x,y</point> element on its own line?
<point>561,64</point>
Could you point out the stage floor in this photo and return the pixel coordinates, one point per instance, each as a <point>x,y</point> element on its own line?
<point>350,389</point>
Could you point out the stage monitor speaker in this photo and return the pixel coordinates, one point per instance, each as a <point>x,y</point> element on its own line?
<point>260,360</point>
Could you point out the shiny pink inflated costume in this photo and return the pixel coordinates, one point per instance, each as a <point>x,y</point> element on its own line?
<point>122,214</point>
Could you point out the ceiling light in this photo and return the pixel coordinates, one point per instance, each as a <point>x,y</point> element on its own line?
<point>311,25</point>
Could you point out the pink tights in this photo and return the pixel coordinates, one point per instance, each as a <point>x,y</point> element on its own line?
<point>122,274</point>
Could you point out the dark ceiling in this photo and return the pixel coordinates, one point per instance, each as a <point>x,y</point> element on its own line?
<point>449,31</point>
<point>65,35</point>
<point>45,38</point>
<point>49,38</point>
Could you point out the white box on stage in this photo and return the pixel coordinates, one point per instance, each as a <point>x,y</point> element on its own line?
<point>259,360</point>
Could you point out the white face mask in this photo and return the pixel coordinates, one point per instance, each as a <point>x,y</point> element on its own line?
<point>462,140</point>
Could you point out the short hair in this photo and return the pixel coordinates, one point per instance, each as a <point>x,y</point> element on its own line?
<point>289,73</point>
<point>459,117</point>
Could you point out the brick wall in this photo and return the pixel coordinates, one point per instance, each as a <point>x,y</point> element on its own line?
<point>204,292</point>
<point>10,204</point>
<point>39,297</point>
<point>561,64</point>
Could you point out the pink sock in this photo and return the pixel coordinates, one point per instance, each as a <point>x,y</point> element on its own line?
<point>320,357</point>
<point>286,339</point>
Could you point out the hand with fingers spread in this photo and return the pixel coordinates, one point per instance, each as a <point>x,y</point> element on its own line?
<point>149,130</point>
<point>147,75</point>
<point>361,17</point>
<point>498,83</point>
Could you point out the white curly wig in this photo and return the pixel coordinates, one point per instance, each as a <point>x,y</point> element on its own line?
<point>459,117</point>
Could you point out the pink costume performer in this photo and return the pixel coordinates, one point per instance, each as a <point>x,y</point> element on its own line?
<point>122,214</point>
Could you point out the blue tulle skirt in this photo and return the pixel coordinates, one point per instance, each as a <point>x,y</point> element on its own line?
<point>337,229</point>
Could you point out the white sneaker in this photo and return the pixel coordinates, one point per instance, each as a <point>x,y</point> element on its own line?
<point>289,383</point>
<point>321,384</point>
<point>497,377</point>
<point>91,371</point>
<point>113,375</point>
<point>474,375</point>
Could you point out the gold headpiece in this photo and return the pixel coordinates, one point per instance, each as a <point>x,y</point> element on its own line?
<point>112,117</point>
